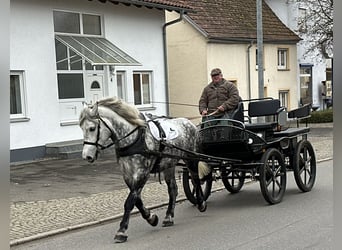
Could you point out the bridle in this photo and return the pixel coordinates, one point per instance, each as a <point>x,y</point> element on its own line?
<point>113,137</point>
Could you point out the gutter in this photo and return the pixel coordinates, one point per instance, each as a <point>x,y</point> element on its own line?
<point>165,59</point>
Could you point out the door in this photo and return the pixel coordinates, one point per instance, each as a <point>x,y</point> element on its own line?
<point>94,88</point>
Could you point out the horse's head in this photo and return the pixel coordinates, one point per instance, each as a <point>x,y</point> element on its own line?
<point>95,135</point>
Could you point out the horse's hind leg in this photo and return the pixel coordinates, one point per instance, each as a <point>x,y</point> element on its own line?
<point>152,219</point>
<point>173,192</point>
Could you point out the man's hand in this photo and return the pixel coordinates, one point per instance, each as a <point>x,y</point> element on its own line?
<point>204,112</point>
<point>221,108</point>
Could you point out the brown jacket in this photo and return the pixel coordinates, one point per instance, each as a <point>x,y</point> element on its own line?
<point>226,94</point>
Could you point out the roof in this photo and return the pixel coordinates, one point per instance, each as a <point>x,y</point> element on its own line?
<point>170,5</point>
<point>235,20</point>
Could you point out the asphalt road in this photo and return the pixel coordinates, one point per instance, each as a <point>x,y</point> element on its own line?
<point>243,221</point>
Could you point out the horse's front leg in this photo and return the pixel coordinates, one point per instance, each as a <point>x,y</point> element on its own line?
<point>169,175</point>
<point>121,235</point>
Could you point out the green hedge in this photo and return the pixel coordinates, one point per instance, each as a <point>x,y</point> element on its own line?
<point>321,116</point>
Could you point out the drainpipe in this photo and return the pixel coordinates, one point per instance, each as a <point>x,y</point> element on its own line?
<point>249,69</point>
<point>165,58</point>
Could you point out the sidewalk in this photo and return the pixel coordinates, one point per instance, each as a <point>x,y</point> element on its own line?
<point>54,196</point>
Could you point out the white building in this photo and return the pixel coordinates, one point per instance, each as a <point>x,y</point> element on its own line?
<point>312,71</point>
<point>64,53</point>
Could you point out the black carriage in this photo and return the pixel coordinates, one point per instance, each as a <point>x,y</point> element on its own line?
<point>257,146</point>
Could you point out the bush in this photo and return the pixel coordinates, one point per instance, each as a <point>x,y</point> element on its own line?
<point>321,116</point>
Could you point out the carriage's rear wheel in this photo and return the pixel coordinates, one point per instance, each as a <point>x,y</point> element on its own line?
<point>190,190</point>
<point>272,174</point>
<point>233,180</point>
<point>304,166</point>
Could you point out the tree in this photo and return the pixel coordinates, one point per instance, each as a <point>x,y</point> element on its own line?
<point>315,27</point>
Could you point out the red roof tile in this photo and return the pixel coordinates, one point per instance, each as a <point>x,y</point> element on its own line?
<point>176,5</point>
<point>236,20</point>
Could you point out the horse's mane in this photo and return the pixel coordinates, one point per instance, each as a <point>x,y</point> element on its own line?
<point>123,109</point>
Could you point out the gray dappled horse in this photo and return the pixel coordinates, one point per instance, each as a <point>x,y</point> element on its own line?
<point>111,121</point>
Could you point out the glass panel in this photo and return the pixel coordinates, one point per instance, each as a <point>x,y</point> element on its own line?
<point>75,61</point>
<point>70,86</point>
<point>88,66</point>
<point>137,89</point>
<point>146,88</point>
<point>15,95</point>
<point>61,56</point>
<point>91,24</point>
<point>75,45</point>
<point>305,85</point>
<point>119,84</point>
<point>66,22</point>
<point>97,50</point>
<point>95,85</point>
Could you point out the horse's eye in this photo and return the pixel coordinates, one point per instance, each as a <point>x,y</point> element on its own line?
<point>92,129</point>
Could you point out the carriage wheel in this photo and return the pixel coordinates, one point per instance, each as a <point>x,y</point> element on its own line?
<point>233,180</point>
<point>189,187</point>
<point>272,176</point>
<point>304,166</point>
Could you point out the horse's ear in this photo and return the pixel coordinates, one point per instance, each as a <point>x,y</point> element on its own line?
<point>94,110</point>
<point>85,104</point>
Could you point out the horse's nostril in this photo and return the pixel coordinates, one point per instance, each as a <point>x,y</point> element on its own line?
<point>90,159</point>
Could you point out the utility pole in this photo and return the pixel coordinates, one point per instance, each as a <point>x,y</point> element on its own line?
<point>260,46</point>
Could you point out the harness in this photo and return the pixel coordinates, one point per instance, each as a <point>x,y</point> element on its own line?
<point>138,146</point>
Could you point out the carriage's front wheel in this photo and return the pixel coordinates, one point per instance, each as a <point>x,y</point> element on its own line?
<point>304,166</point>
<point>272,174</point>
<point>190,187</point>
<point>233,180</point>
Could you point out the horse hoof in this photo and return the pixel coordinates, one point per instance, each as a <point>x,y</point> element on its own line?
<point>168,221</point>
<point>120,237</point>
<point>202,207</point>
<point>153,220</point>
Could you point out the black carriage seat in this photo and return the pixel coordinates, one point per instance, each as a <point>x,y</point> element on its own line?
<point>300,113</point>
<point>238,112</point>
<point>270,109</point>
<point>296,114</point>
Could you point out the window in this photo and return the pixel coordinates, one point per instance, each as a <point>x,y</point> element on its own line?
<point>70,86</point>
<point>142,88</point>
<point>305,79</point>
<point>91,24</point>
<point>17,96</point>
<point>70,66</point>
<point>282,59</point>
<point>77,23</point>
<point>120,85</point>
<point>301,22</point>
<point>284,98</point>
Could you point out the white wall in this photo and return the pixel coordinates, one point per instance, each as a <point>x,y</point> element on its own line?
<point>137,31</point>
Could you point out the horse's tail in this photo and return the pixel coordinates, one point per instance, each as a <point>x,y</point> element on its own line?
<point>203,169</point>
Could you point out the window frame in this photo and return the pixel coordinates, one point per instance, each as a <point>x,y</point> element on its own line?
<point>280,64</point>
<point>22,116</point>
<point>284,96</point>
<point>123,75</point>
<point>80,22</point>
<point>150,85</point>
